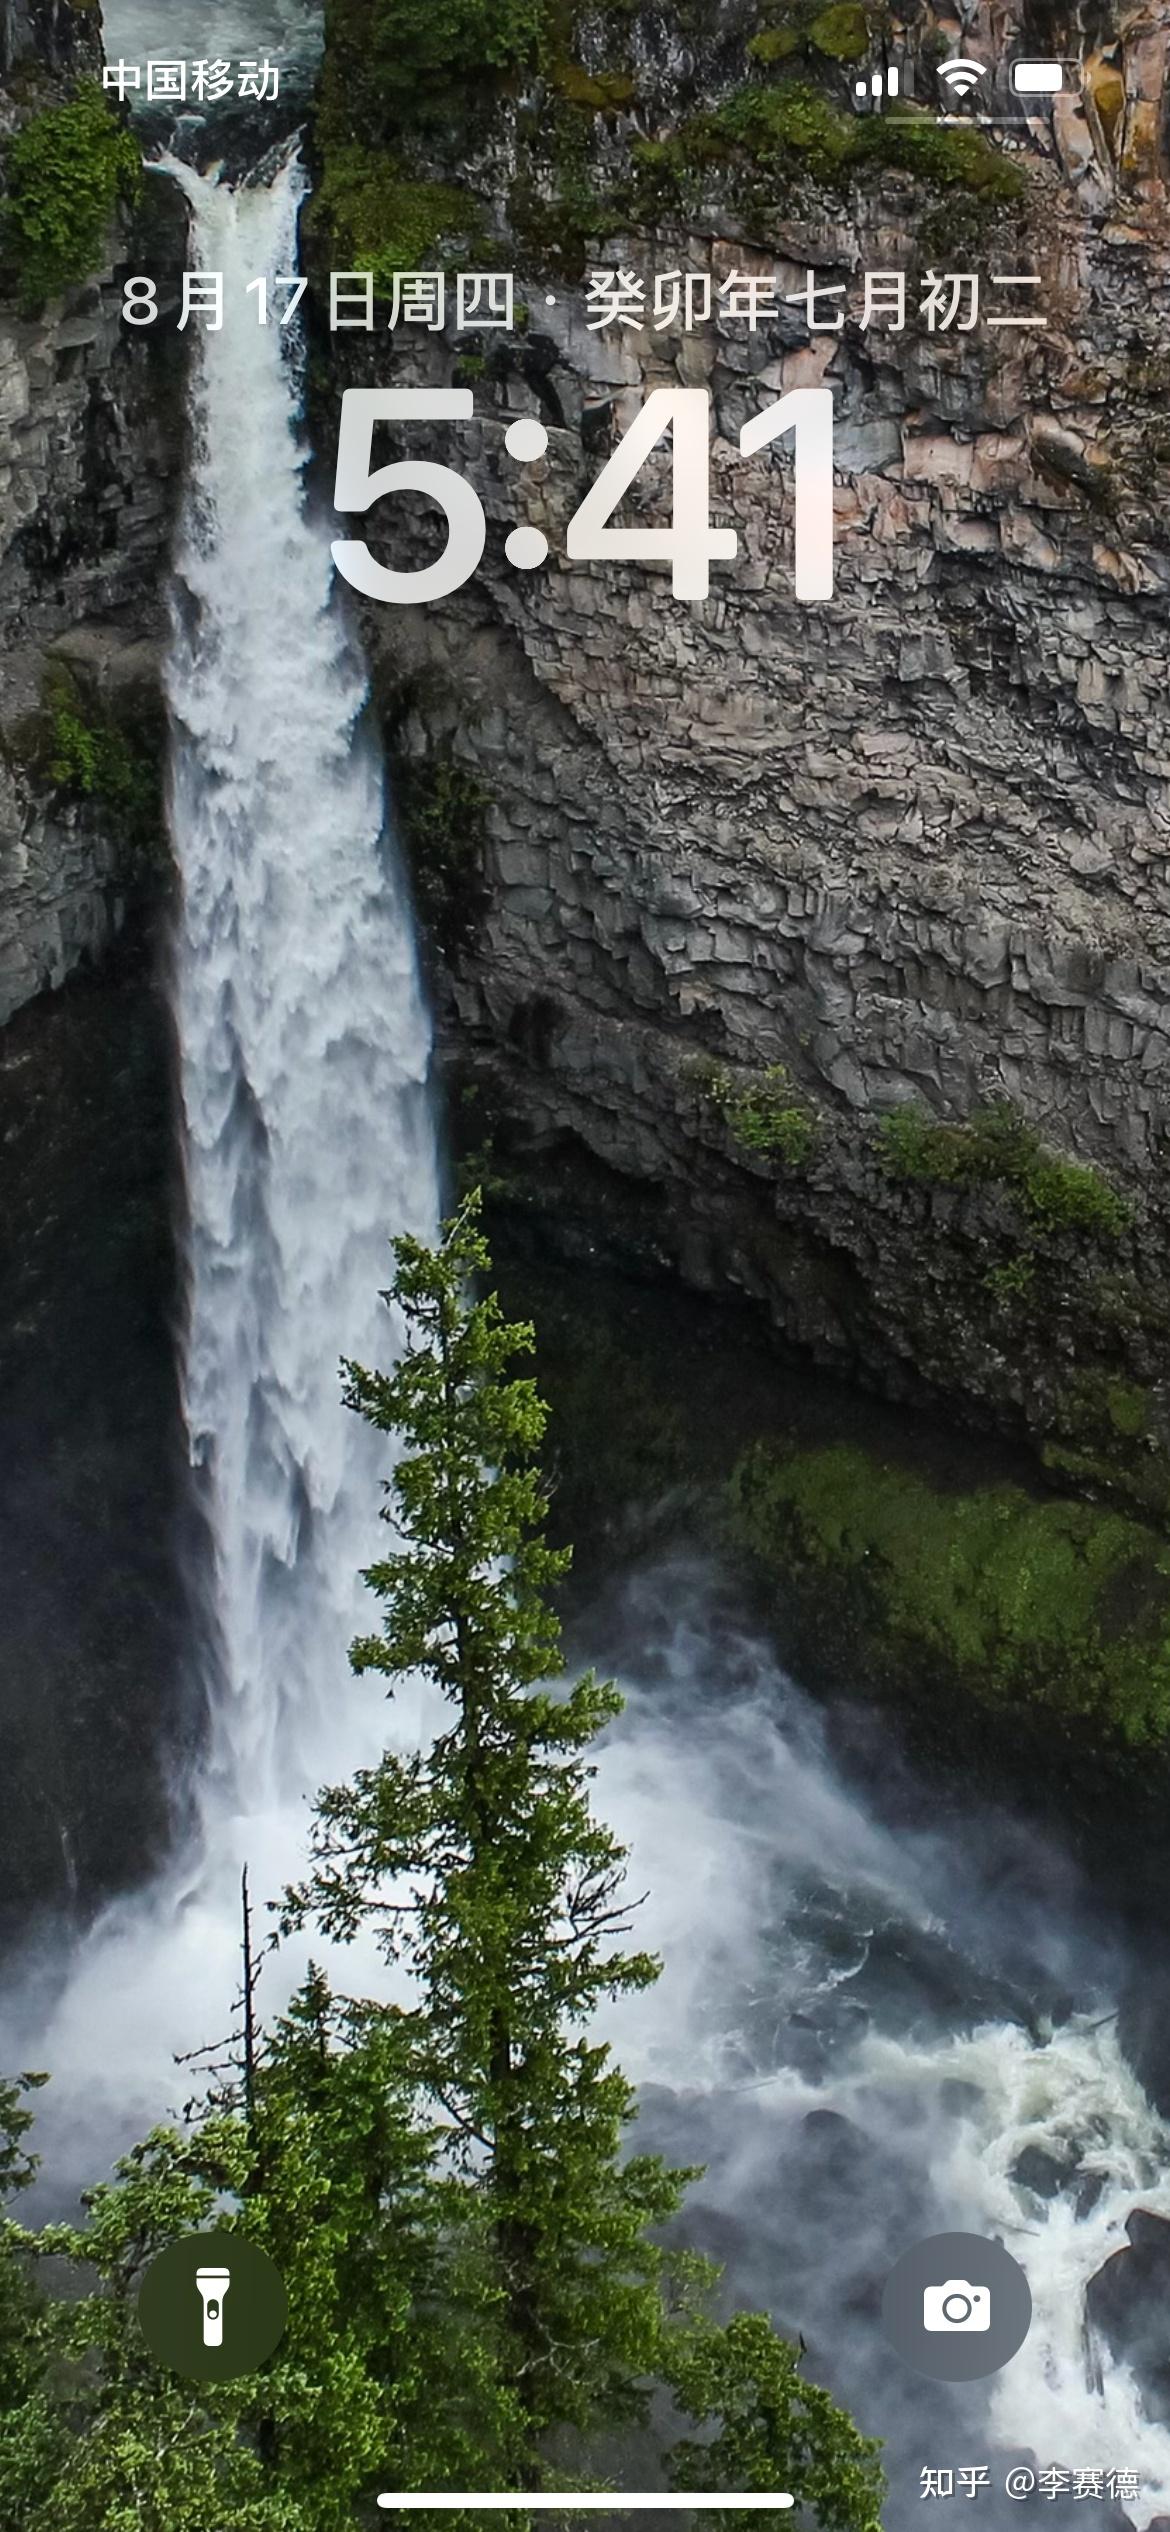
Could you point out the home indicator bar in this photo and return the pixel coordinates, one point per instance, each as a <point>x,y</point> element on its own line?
<point>580,2501</point>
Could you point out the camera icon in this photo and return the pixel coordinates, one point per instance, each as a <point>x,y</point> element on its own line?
<point>956,2306</point>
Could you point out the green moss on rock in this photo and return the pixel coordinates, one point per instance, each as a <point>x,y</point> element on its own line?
<point>1060,1606</point>
<point>840,32</point>
<point>383,221</point>
<point>1112,1436</point>
<point>66,171</point>
<point>941,156</point>
<point>997,1148</point>
<point>775,127</point>
<point>601,92</point>
<point>555,206</point>
<point>769,137</point>
<point>775,44</point>
<point>409,90</point>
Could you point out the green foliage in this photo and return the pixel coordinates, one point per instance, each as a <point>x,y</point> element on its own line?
<point>478,1864</point>
<point>766,1116</point>
<point>1128,1408</point>
<point>382,220</point>
<point>786,126</point>
<point>997,1148</point>
<point>1063,1604</point>
<point>840,33</point>
<point>406,87</point>
<point>381,2369</point>
<point>20,2312</point>
<point>96,761</point>
<point>90,757</point>
<point>555,204</point>
<point>1067,1195</point>
<point>1101,1418</point>
<point>399,67</point>
<point>791,127</point>
<point>913,1144</point>
<point>601,92</point>
<point>941,156</point>
<point>66,171</point>
<point>774,44</point>
<point>766,137</point>
<point>17,2165</point>
<point>400,78</point>
<point>1012,1280</point>
<point>744,2385</point>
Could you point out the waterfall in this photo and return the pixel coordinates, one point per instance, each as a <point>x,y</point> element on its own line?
<point>309,1141</point>
<point>303,1038</point>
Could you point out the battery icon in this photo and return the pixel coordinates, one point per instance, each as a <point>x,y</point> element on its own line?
<point>1037,79</point>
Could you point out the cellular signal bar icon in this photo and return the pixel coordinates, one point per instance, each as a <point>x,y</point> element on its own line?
<point>879,85</point>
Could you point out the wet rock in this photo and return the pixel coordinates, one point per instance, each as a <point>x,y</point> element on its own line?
<point>1043,2173</point>
<point>1143,2031</point>
<point>1128,2301</point>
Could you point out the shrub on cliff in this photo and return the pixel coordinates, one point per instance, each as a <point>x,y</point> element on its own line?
<point>65,174</point>
<point>76,747</point>
<point>402,66</point>
<point>997,1148</point>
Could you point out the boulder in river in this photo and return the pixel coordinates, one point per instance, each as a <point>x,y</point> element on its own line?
<point>1128,2301</point>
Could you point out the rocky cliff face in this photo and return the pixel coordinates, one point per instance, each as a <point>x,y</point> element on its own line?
<point>90,436</point>
<point>747,862</point>
<point>92,1450</point>
<point>52,35</point>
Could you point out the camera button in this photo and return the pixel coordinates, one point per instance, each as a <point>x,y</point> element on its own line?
<point>956,2307</point>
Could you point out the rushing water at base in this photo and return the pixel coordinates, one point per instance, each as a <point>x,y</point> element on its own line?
<point>945,1997</point>
<point>946,2007</point>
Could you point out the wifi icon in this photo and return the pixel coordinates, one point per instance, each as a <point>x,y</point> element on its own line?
<point>960,75</point>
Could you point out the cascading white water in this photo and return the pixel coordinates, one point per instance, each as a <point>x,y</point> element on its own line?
<point>303,1037</point>
<point>304,1049</point>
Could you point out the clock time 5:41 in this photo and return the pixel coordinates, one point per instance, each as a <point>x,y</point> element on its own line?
<point>690,544</point>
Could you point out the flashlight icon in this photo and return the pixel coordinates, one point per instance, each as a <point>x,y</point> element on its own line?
<point>212,2285</point>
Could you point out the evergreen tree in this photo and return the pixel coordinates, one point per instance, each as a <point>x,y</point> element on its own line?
<point>481,1867</point>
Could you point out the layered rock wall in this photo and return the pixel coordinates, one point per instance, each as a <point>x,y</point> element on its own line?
<point>90,440</point>
<point>910,845</point>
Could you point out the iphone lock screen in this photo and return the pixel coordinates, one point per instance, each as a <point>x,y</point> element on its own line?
<point>584,1264</point>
